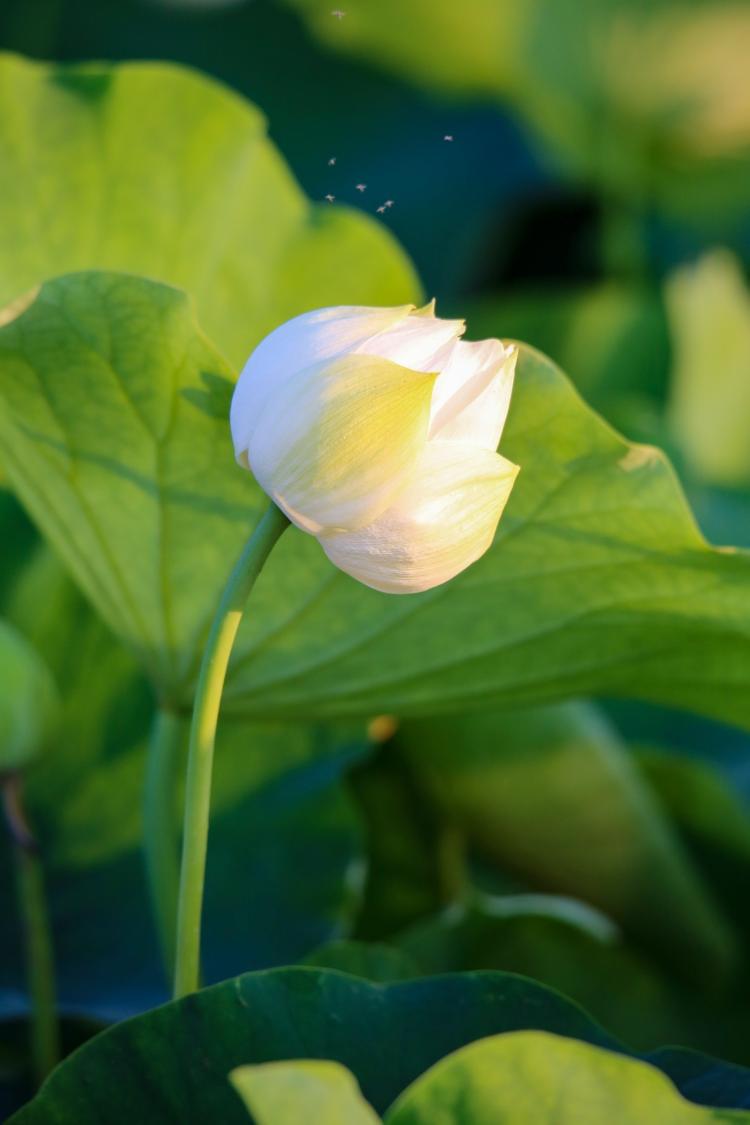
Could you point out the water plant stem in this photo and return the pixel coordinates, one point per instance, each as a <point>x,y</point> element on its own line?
<point>201,749</point>
<point>40,970</point>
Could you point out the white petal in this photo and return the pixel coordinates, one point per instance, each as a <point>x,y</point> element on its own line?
<point>443,521</point>
<point>421,340</point>
<point>337,441</point>
<point>301,342</point>
<point>472,394</point>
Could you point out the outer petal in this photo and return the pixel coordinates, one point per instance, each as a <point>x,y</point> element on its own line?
<point>339,440</point>
<point>421,340</point>
<point>305,340</point>
<point>441,523</point>
<point>473,392</point>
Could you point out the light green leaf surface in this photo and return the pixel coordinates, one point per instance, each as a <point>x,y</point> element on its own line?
<point>154,169</point>
<point>101,377</point>
<point>598,580</point>
<point>552,796</point>
<point>531,1076</point>
<point>316,1090</point>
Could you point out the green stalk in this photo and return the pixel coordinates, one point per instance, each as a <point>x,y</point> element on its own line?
<point>202,738</point>
<point>160,834</point>
<point>40,970</point>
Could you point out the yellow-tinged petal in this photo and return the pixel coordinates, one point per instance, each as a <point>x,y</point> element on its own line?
<point>309,338</point>
<point>339,440</point>
<point>443,521</point>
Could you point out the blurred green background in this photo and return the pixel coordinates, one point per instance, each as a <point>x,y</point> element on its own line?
<point>560,131</point>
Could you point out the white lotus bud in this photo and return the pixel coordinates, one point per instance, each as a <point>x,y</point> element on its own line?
<point>376,430</point>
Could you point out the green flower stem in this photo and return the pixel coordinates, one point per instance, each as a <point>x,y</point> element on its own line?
<point>160,836</point>
<point>202,737</point>
<point>45,1033</point>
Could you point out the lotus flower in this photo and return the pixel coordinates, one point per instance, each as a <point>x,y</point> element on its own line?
<point>376,431</point>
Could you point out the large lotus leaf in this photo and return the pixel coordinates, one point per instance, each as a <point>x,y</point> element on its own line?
<point>552,795</point>
<point>533,1076</point>
<point>284,1093</point>
<point>113,429</point>
<point>153,169</point>
<point>174,1061</point>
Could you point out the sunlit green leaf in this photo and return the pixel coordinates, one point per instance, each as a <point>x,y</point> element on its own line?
<point>103,376</point>
<point>285,1093</point>
<point>153,169</point>
<point>532,1076</point>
